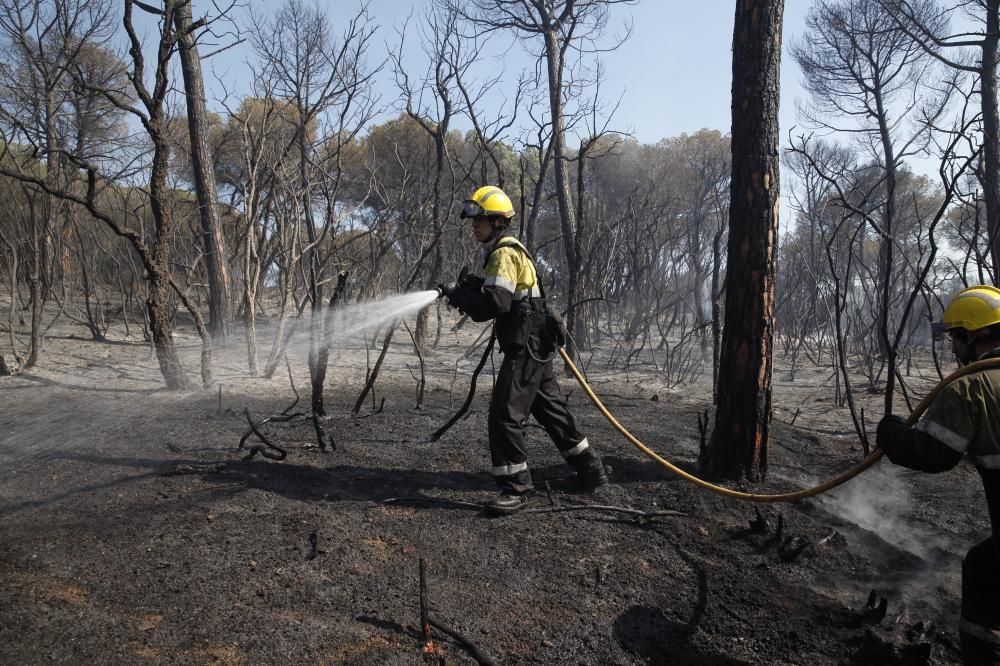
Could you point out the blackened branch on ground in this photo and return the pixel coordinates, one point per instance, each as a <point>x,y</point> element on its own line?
<point>641,515</point>
<point>555,508</point>
<point>436,435</point>
<point>276,452</point>
<point>184,470</point>
<point>432,500</point>
<point>473,649</point>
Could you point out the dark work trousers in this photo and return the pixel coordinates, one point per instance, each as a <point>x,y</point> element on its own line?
<point>980,626</point>
<point>527,387</point>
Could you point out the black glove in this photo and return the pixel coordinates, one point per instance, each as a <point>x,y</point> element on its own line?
<point>887,429</point>
<point>454,297</point>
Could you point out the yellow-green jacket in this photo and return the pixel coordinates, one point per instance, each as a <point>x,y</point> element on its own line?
<point>510,291</point>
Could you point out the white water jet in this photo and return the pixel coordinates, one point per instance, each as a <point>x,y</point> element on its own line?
<point>351,319</point>
<point>75,411</point>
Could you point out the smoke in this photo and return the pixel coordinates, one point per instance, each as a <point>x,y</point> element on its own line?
<point>880,501</point>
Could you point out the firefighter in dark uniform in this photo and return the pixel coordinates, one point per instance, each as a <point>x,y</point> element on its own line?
<point>511,295</point>
<point>965,418</point>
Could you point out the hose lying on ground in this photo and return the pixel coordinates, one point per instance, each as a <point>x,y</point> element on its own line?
<point>870,460</point>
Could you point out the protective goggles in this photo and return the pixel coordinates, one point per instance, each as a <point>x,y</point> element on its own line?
<point>471,208</point>
<point>940,330</point>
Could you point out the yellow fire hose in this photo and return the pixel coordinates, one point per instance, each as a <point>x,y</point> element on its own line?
<point>781,497</point>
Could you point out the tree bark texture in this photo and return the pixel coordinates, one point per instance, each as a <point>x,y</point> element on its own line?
<point>213,240</point>
<point>991,132</point>
<point>738,447</point>
<point>567,218</point>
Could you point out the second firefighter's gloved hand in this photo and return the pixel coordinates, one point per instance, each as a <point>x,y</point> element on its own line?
<point>887,429</point>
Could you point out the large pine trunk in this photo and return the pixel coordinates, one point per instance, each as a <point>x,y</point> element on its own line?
<point>213,240</point>
<point>990,174</point>
<point>738,447</point>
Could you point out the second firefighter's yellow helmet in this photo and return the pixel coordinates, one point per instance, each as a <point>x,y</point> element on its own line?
<point>972,309</point>
<point>490,201</point>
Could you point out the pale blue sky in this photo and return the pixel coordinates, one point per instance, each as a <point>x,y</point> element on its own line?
<point>674,70</point>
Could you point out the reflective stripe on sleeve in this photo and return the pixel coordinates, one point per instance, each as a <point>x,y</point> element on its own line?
<point>947,437</point>
<point>500,281</point>
<point>578,449</point>
<point>509,470</point>
<point>989,462</point>
<point>530,292</point>
<point>979,631</point>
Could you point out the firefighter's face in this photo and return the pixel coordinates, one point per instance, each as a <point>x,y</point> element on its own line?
<point>482,228</point>
<point>961,347</point>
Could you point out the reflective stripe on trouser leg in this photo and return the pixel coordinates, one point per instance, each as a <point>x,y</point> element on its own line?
<point>510,470</point>
<point>980,625</point>
<point>510,405</point>
<point>580,447</point>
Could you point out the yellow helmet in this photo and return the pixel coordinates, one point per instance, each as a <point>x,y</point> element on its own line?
<point>490,201</point>
<point>972,309</point>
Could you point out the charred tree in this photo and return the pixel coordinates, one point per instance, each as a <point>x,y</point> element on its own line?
<point>738,447</point>
<point>922,22</point>
<point>558,27</point>
<point>212,238</point>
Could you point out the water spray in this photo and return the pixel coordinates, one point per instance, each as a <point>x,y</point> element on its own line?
<point>85,408</point>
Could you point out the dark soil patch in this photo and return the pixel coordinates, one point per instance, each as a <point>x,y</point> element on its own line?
<point>138,534</point>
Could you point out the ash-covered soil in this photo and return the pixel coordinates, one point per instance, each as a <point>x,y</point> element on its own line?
<point>132,530</point>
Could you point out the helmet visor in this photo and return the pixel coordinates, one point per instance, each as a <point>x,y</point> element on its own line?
<point>471,208</point>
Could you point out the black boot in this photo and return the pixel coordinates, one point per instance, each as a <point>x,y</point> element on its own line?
<point>590,479</point>
<point>590,473</point>
<point>508,502</point>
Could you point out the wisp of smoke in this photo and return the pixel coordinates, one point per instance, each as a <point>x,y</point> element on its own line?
<point>878,502</point>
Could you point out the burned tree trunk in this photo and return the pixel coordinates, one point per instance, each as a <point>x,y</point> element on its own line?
<point>738,447</point>
<point>991,130</point>
<point>213,240</point>
<point>318,361</point>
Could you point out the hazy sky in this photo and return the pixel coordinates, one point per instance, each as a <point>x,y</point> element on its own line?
<point>676,68</point>
<point>674,71</point>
